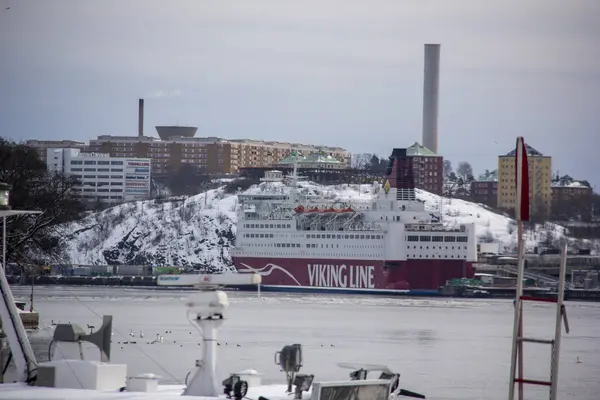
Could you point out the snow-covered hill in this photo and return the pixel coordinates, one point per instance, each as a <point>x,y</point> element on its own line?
<point>200,230</point>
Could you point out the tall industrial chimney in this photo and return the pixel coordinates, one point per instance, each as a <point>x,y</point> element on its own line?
<point>141,119</point>
<point>431,87</point>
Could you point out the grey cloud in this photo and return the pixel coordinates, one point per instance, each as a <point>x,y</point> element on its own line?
<point>159,94</point>
<point>340,72</point>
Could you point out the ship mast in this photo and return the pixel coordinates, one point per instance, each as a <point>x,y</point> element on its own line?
<point>293,182</point>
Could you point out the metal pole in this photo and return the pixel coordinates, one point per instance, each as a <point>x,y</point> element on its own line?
<point>559,315</point>
<point>517,328</point>
<point>4,242</point>
<point>2,334</point>
<point>3,355</point>
<point>520,350</point>
<point>31,296</point>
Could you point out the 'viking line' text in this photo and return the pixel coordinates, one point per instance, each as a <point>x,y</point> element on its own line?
<point>342,276</point>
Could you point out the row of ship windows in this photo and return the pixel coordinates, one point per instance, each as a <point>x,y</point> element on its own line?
<point>262,253</point>
<point>408,256</point>
<point>267,226</point>
<point>312,245</point>
<point>433,247</point>
<point>448,239</point>
<point>329,236</point>
<point>435,256</point>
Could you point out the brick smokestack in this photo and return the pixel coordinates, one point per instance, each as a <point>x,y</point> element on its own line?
<point>431,87</point>
<point>141,119</point>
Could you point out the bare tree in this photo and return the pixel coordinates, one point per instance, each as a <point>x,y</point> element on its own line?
<point>465,171</point>
<point>360,161</point>
<point>36,238</point>
<point>447,168</point>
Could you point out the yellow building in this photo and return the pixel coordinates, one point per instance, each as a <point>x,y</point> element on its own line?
<point>540,181</point>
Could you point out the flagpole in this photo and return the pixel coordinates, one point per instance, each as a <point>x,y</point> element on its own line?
<point>517,349</point>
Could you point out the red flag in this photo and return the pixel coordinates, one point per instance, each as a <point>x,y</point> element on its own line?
<point>522,181</point>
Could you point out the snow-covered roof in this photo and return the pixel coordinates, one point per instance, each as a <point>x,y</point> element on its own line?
<point>531,151</point>
<point>571,184</point>
<point>316,158</point>
<point>417,149</point>
<point>488,176</point>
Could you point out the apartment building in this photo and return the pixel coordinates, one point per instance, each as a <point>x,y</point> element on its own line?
<point>484,189</point>
<point>177,146</point>
<point>43,145</point>
<point>260,153</point>
<point>428,168</point>
<point>212,154</point>
<point>102,177</point>
<point>540,181</point>
<point>572,200</point>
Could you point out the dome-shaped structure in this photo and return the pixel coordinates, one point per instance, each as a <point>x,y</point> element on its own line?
<point>169,132</point>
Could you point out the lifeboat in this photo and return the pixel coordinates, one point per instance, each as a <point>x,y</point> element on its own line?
<point>299,209</point>
<point>348,209</point>
<point>330,209</point>
<point>315,209</point>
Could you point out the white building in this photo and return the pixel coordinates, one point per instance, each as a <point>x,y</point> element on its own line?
<point>102,177</point>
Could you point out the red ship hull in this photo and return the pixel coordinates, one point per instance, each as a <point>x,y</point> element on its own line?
<point>354,275</point>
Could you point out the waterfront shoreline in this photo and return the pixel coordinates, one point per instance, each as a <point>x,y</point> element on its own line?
<point>150,282</point>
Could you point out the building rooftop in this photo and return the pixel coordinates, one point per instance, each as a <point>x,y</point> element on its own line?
<point>570,184</point>
<point>175,131</point>
<point>417,149</point>
<point>315,158</point>
<point>215,139</point>
<point>287,144</point>
<point>488,176</point>
<point>531,151</point>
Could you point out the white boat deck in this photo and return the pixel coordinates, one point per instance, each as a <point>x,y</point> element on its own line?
<point>19,391</point>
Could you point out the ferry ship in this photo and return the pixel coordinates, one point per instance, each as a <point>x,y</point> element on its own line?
<point>388,245</point>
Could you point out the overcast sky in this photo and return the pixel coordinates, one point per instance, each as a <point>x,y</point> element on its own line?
<point>346,73</point>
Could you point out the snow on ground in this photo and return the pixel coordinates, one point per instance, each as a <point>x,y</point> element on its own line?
<point>201,229</point>
<point>489,225</point>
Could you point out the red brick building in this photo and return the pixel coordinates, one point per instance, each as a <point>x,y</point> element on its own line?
<point>428,168</point>
<point>571,201</point>
<point>484,190</point>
